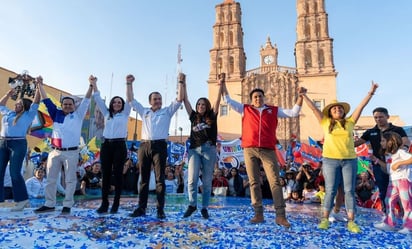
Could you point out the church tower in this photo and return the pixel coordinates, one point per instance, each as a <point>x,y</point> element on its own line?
<point>268,55</point>
<point>227,56</point>
<point>314,62</point>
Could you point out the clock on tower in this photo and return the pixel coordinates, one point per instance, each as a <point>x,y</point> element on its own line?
<point>268,59</point>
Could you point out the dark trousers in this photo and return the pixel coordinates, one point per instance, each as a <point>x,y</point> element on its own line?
<point>152,153</point>
<point>113,157</point>
<point>8,193</point>
<point>382,181</point>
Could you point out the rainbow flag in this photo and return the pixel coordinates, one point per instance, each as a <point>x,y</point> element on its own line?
<point>42,125</point>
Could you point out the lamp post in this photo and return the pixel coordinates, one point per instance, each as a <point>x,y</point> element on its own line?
<point>181,136</point>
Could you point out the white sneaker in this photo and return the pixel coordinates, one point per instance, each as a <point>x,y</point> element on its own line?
<point>383,226</point>
<point>336,217</point>
<point>405,230</point>
<point>19,206</point>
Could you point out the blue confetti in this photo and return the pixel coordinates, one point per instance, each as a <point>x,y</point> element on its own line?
<point>227,227</point>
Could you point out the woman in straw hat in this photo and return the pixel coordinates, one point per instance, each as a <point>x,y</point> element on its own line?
<point>339,157</point>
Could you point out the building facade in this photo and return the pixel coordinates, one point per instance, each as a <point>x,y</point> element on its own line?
<point>314,69</point>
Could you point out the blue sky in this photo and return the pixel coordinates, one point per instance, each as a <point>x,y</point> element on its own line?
<point>66,41</point>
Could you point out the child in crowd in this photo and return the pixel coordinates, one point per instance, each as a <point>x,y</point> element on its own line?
<point>92,181</point>
<point>320,195</point>
<point>35,184</point>
<point>399,166</point>
<point>364,190</point>
<point>308,192</point>
<point>171,183</point>
<point>284,188</point>
<point>296,198</point>
<point>290,181</point>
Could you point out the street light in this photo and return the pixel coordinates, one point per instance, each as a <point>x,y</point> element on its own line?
<point>181,138</point>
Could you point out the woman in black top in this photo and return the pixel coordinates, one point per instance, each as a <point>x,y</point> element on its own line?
<point>202,150</point>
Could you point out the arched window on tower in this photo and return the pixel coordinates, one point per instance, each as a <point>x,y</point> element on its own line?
<point>230,38</point>
<point>321,57</point>
<point>221,18</point>
<point>317,30</point>
<point>219,64</point>
<point>315,7</point>
<point>229,16</point>
<point>307,31</point>
<point>308,58</point>
<point>307,8</point>
<point>231,64</point>
<point>221,39</point>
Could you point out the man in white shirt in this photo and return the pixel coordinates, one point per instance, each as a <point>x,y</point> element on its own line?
<point>153,146</point>
<point>65,140</point>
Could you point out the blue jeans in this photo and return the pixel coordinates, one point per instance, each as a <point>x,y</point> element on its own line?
<point>202,158</point>
<point>336,172</point>
<point>13,151</point>
<point>382,182</point>
<point>93,191</point>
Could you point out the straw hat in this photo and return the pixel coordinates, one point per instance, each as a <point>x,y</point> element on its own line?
<point>346,107</point>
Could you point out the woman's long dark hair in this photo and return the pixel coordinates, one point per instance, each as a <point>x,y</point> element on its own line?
<point>26,106</point>
<point>208,116</point>
<point>393,142</point>
<point>111,110</point>
<point>333,121</point>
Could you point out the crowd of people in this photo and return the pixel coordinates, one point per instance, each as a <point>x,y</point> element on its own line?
<point>331,183</point>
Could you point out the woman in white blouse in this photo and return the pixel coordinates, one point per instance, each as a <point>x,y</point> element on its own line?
<point>113,151</point>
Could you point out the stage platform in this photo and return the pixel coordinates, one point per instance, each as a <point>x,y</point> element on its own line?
<point>228,227</point>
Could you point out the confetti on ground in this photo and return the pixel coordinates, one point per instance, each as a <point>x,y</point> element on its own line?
<point>227,227</point>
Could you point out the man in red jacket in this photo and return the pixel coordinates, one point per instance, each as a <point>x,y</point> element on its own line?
<point>259,141</point>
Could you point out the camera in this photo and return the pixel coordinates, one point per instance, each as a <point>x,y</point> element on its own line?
<point>306,166</point>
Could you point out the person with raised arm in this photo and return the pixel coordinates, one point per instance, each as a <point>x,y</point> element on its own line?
<point>259,141</point>
<point>202,150</point>
<point>15,125</point>
<point>339,156</point>
<point>113,152</point>
<point>65,140</point>
<point>153,144</point>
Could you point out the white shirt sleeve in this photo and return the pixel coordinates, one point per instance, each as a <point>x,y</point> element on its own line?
<point>238,107</point>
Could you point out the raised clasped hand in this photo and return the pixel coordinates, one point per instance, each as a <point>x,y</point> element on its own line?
<point>222,78</point>
<point>92,79</point>
<point>130,78</point>
<point>39,80</point>
<point>302,90</point>
<point>181,78</point>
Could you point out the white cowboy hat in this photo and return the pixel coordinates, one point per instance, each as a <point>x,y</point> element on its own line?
<point>346,107</point>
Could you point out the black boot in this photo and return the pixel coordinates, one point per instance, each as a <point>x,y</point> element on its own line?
<point>189,211</point>
<point>161,214</point>
<point>138,212</point>
<point>103,207</point>
<point>115,205</point>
